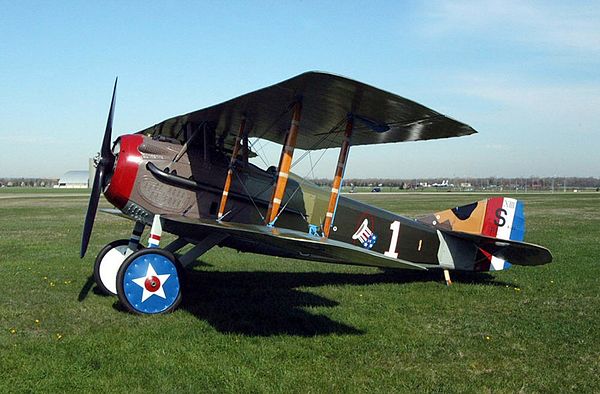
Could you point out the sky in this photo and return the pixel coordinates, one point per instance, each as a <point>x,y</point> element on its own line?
<point>525,75</point>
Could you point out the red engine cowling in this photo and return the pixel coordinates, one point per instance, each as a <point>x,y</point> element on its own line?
<point>126,168</point>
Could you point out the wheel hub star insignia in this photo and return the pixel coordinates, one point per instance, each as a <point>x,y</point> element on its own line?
<point>152,283</point>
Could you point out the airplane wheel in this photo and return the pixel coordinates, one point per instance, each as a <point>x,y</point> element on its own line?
<point>150,282</point>
<point>107,265</point>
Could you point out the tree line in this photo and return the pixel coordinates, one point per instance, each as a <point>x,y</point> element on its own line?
<point>545,183</point>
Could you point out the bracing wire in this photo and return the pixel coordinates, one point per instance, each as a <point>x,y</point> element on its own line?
<point>261,149</point>
<point>267,129</point>
<point>323,138</point>
<point>303,181</point>
<point>258,138</point>
<point>312,172</point>
<point>248,193</point>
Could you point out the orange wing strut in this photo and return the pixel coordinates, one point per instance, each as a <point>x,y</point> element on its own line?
<point>234,154</point>
<point>285,162</point>
<point>337,179</point>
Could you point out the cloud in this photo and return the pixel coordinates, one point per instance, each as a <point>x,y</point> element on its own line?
<point>566,26</point>
<point>545,106</point>
<point>574,97</point>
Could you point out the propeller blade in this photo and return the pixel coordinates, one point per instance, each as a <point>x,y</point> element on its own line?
<point>104,164</point>
<point>105,150</point>
<point>91,210</point>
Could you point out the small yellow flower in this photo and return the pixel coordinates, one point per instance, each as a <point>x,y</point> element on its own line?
<point>551,281</point>
<point>45,278</point>
<point>517,289</point>
<point>51,284</point>
<point>487,337</point>
<point>37,321</point>
<point>58,337</point>
<point>13,331</point>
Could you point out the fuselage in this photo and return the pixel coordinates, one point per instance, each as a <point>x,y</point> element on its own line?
<point>146,182</point>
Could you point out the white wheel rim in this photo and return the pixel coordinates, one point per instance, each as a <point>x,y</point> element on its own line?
<point>109,266</point>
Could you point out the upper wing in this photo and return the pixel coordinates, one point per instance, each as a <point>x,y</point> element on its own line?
<point>380,116</point>
<point>284,242</point>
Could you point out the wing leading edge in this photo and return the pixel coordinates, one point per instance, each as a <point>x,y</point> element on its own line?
<point>327,99</point>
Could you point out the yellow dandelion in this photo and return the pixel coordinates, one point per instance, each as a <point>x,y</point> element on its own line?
<point>37,321</point>
<point>487,337</point>
<point>13,331</point>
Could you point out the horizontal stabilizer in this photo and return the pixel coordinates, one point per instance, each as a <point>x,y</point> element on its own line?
<point>518,253</point>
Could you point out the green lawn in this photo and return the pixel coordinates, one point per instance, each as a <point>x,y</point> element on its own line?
<point>260,324</point>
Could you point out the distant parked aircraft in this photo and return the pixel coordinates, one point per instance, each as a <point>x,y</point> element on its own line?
<point>443,184</point>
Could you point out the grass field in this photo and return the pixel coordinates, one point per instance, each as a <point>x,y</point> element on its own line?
<point>259,324</point>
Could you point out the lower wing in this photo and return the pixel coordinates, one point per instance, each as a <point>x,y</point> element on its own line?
<point>285,242</point>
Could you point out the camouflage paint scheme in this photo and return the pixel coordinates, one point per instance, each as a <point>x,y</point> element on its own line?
<point>146,181</point>
<point>192,212</point>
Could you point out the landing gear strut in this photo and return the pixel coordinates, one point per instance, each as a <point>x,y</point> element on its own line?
<point>150,281</point>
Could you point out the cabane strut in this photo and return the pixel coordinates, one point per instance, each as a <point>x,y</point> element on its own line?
<point>234,154</point>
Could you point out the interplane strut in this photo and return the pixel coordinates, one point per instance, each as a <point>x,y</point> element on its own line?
<point>339,175</point>
<point>285,161</point>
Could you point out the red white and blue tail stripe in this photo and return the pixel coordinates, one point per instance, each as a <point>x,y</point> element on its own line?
<point>504,219</point>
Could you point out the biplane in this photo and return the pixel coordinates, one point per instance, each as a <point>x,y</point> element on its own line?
<point>191,176</point>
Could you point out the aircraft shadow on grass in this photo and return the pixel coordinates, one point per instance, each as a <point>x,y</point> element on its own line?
<point>262,303</point>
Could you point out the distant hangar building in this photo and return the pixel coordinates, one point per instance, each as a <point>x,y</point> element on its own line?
<point>74,180</point>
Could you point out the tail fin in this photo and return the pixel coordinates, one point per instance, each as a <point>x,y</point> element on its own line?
<point>497,217</point>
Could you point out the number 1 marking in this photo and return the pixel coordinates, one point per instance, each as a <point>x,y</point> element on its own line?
<point>395,227</point>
